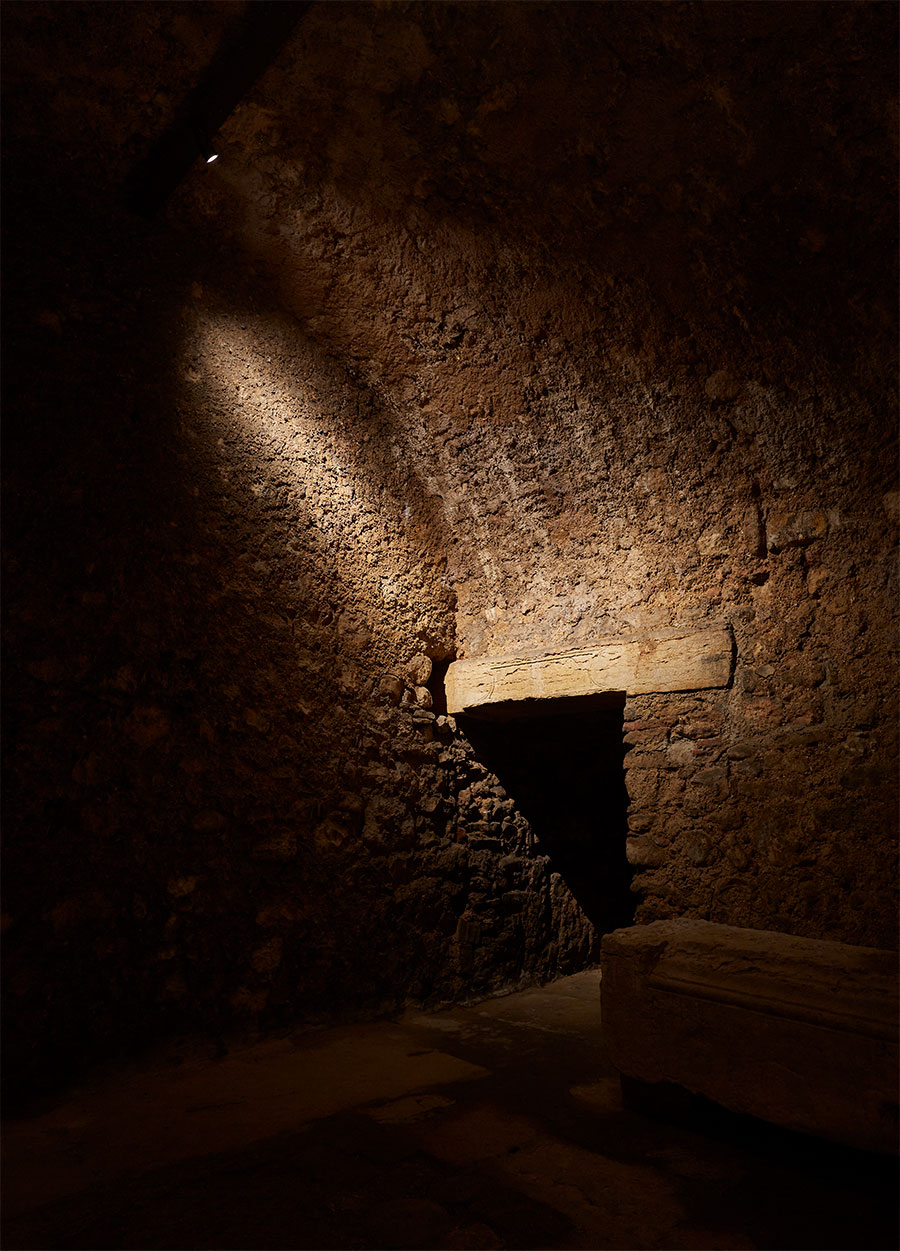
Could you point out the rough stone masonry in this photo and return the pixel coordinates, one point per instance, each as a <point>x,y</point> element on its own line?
<point>494,327</point>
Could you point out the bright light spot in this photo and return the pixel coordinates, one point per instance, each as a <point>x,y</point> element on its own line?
<point>214,156</point>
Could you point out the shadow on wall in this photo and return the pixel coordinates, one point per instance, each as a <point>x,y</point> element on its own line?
<point>566,773</point>
<point>190,729</point>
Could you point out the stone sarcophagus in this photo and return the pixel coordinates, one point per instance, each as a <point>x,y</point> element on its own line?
<point>799,1032</point>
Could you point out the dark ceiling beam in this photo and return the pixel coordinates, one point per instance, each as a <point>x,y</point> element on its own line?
<point>262,32</point>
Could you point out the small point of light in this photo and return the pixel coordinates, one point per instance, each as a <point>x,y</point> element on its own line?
<point>203,140</point>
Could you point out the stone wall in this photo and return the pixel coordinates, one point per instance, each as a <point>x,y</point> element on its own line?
<point>493,326</point>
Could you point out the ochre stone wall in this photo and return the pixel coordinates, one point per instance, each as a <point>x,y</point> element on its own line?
<point>494,326</point>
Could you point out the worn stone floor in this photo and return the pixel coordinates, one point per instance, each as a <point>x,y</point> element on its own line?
<point>496,1125</point>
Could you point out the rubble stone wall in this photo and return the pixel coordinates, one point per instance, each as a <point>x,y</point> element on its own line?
<point>493,326</point>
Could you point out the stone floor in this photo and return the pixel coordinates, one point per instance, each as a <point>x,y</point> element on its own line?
<point>497,1125</point>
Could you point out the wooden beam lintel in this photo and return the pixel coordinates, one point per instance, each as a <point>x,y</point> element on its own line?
<point>660,661</point>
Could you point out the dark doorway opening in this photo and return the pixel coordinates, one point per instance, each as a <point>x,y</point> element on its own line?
<point>566,773</point>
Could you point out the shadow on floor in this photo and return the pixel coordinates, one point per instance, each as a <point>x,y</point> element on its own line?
<point>345,1182</point>
<point>497,1125</point>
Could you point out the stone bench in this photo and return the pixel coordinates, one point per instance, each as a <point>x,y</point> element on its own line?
<point>795,1031</point>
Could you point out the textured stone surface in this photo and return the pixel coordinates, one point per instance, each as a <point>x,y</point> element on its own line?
<point>497,1126</point>
<point>668,661</point>
<point>796,1031</point>
<point>494,326</point>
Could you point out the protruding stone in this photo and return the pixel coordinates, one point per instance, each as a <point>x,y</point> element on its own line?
<point>680,752</point>
<point>146,725</point>
<point>784,530</point>
<point>418,670</point>
<point>209,821</point>
<point>266,959</point>
<point>179,887</point>
<point>643,851</point>
<point>722,386</point>
<point>390,688</point>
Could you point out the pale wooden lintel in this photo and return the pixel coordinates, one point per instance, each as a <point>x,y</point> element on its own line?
<point>686,660</point>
